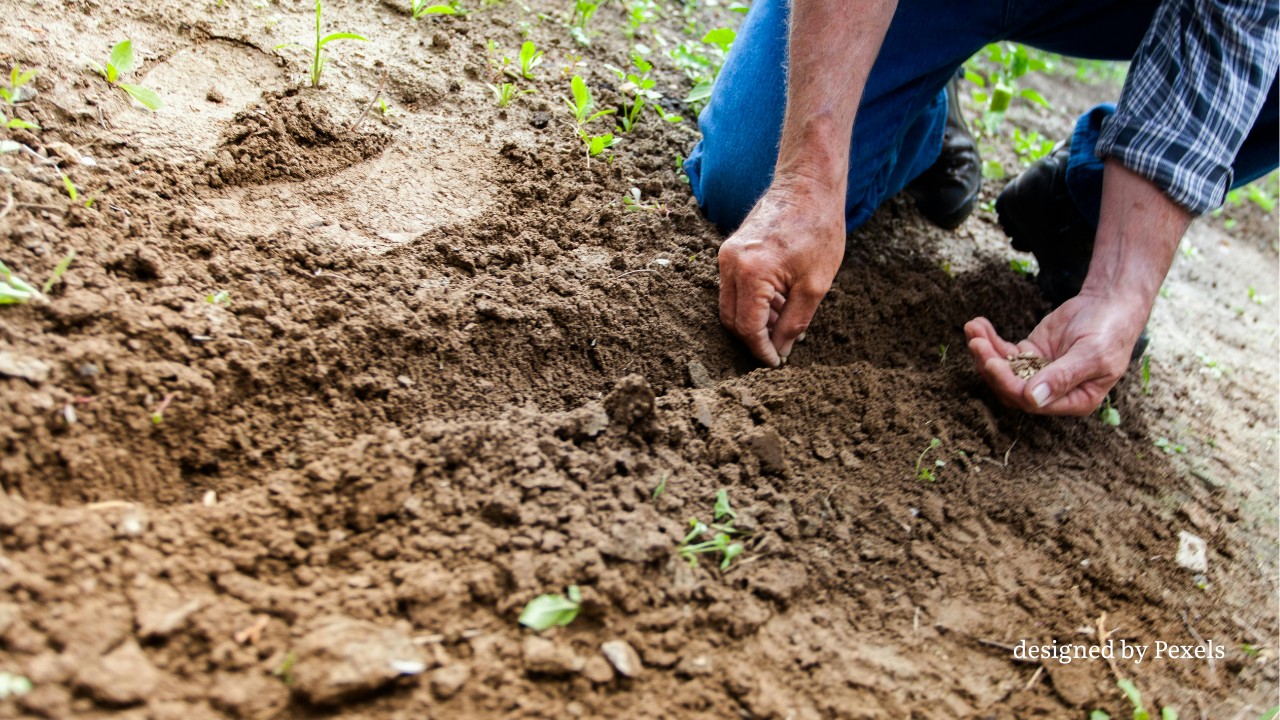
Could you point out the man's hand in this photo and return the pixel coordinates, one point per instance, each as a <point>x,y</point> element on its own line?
<point>1090,337</point>
<point>1088,341</point>
<point>778,266</point>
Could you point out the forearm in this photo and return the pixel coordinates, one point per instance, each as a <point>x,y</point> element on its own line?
<point>1138,233</point>
<point>833,44</point>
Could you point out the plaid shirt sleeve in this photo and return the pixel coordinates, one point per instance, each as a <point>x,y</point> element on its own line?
<point>1196,86</point>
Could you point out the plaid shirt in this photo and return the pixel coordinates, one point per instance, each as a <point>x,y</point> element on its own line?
<point>1195,88</point>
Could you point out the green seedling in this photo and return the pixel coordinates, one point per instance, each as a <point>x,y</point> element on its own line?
<point>1022,266</point>
<point>530,58</point>
<point>701,63</point>
<point>1249,650</point>
<point>1007,62</point>
<point>546,611</point>
<point>222,297</point>
<point>1109,415</point>
<point>927,473</point>
<point>13,685</point>
<point>284,670</point>
<point>317,56</point>
<point>720,37</point>
<point>1031,146</point>
<point>1170,448</point>
<point>640,86</point>
<point>419,8</point>
<point>12,94</point>
<point>157,415</point>
<point>721,542</point>
<point>74,193</point>
<point>1211,366</point>
<point>122,63</point>
<point>58,271</point>
<point>506,92</point>
<point>661,488</point>
<point>582,108</point>
<point>632,203</point>
<point>16,291</point>
<point>639,14</point>
<point>1146,374</point>
<point>681,176</point>
<point>942,354</point>
<point>1257,299</point>
<point>583,11</point>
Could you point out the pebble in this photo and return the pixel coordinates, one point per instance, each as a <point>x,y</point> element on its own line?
<point>31,369</point>
<point>343,658</point>
<point>1192,552</point>
<point>448,680</point>
<point>623,657</point>
<point>598,670</point>
<point>547,658</point>
<point>698,375</point>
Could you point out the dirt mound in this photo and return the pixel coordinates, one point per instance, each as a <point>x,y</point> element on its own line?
<point>287,137</point>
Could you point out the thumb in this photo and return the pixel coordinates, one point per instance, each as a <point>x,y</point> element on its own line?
<point>797,313</point>
<point>1057,380</point>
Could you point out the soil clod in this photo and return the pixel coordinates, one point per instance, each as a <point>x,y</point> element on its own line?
<point>343,659</point>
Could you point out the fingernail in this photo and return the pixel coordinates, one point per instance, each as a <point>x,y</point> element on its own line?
<point>800,337</point>
<point>1040,394</point>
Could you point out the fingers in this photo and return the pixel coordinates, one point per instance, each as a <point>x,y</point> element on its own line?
<point>982,328</point>
<point>796,315</point>
<point>751,318</point>
<point>1071,385</point>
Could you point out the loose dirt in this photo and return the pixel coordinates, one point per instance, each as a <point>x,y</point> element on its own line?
<point>451,371</point>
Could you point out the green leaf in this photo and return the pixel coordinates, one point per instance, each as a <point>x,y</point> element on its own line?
<point>1110,416</point>
<point>700,92</point>
<point>1034,97</point>
<point>439,10</point>
<point>18,124</point>
<point>340,36</point>
<point>113,74</point>
<point>1168,713</point>
<point>546,611</point>
<point>146,96</point>
<point>661,488</point>
<point>721,37</point>
<point>58,271</point>
<point>17,80</point>
<point>581,96</point>
<point>1270,714</point>
<point>1135,698</point>
<point>722,506</point>
<point>1099,715</point>
<point>739,7</point>
<point>730,552</point>
<point>8,146</point>
<point>72,192</point>
<point>122,57</point>
<point>975,78</point>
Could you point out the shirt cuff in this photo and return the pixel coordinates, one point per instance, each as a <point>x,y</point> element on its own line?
<point>1179,166</point>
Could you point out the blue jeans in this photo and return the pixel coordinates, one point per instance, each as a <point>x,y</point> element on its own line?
<point>898,131</point>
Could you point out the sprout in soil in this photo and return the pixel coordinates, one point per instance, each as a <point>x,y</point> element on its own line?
<point>121,63</point>
<point>420,8</point>
<point>721,542</point>
<point>927,473</point>
<point>1109,415</point>
<point>583,10</point>
<point>631,203</point>
<point>582,108</point>
<point>222,297</point>
<point>547,611</point>
<point>640,86</point>
<point>1021,266</point>
<point>11,95</point>
<point>1140,711</point>
<point>1146,374</point>
<point>530,58</point>
<point>16,291</point>
<point>506,92</point>
<point>13,685</point>
<point>317,57</point>
<point>74,193</point>
<point>661,488</point>
<point>942,354</point>
<point>58,271</point>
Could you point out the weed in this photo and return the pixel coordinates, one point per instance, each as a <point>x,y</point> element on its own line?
<point>1109,415</point>
<point>506,92</point>
<point>1211,366</point>
<point>639,14</point>
<point>317,57</point>
<point>121,63</point>
<point>701,63</point>
<point>13,685</point>
<point>681,175</point>
<point>284,670</point>
<point>641,87</point>
<point>927,473</point>
<point>1257,299</point>
<point>16,291</point>
<point>222,297</point>
<point>1146,374</point>
<point>1249,650</point>
<point>721,542</point>
<point>418,8</point>
<point>386,109</point>
<point>942,354</point>
<point>547,611</point>
<point>1030,146</point>
<point>582,108</point>
<point>530,58</point>
<point>583,11</point>
<point>1170,448</point>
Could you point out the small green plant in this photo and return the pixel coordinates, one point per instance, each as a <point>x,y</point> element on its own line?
<point>661,487</point>
<point>11,95</point>
<point>701,63</point>
<point>546,611</point>
<point>1109,415</point>
<point>641,88</point>
<point>631,202</point>
<point>317,56</point>
<point>1211,366</point>
<point>157,415</point>
<point>942,354</point>
<point>284,670</point>
<point>530,58</point>
<point>1022,266</point>
<point>13,685</point>
<point>583,11</point>
<point>582,108</point>
<point>58,271</point>
<point>221,297</point>
<point>1169,447</point>
<point>1030,146</point>
<point>924,472</point>
<point>1257,299</point>
<point>74,193</point>
<point>721,542</point>
<point>1146,374</point>
<point>1006,63</point>
<point>506,92</point>
<point>122,63</point>
<point>16,291</point>
<point>419,8</point>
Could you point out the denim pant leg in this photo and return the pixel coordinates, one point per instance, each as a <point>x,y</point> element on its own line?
<point>898,132</point>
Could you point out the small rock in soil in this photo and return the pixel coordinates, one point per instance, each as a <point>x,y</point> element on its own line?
<point>160,615</point>
<point>1192,552</point>
<point>214,96</point>
<point>623,657</point>
<point>694,666</point>
<point>250,696</point>
<point>31,369</point>
<point>448,680</point>
<point>598,670</point>
<point>767,446</point>
<point>343,659</point>
<point>699,377</point>
<point>630,402</point>
<point>544,657</point>
<point>1026,364</point>
<point>122,677</point>
<point>539,120</point>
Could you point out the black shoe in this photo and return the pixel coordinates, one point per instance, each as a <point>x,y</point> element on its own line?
<point>947,192</point>
<point>1037,213</point>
